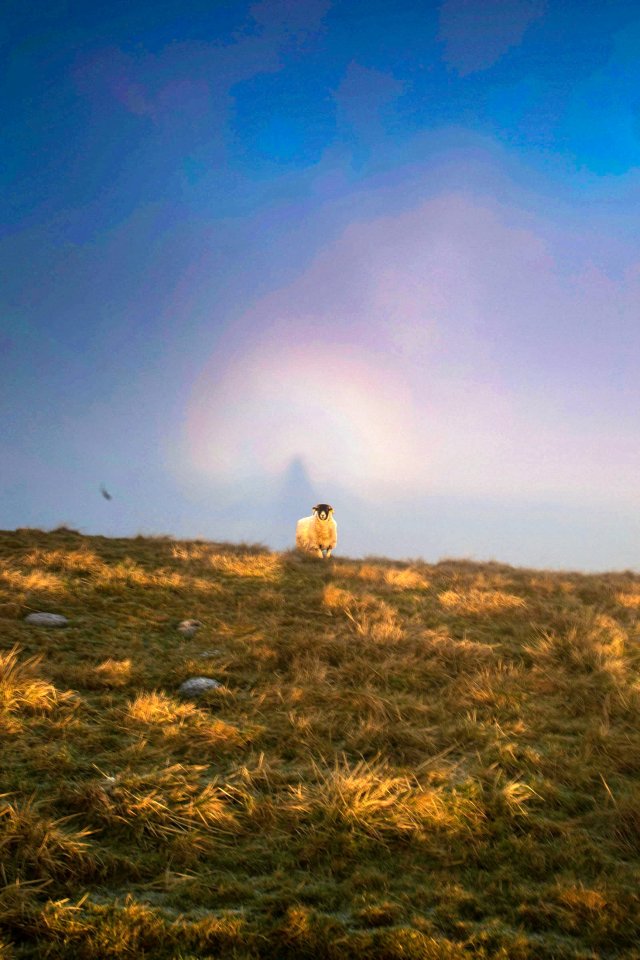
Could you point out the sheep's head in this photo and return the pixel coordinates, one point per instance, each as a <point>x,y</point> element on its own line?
<point>323,510</point>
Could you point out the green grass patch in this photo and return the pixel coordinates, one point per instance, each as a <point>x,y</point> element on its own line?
<point>403,760</point>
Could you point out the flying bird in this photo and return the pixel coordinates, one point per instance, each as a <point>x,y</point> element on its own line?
<point>105,493</point>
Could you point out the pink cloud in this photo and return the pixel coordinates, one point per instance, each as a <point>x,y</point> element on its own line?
<point>441,349</point>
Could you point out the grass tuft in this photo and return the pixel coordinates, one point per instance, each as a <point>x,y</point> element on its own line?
<point>34,847</point>
<point>21,689</point>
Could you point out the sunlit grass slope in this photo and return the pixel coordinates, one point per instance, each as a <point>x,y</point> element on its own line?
<point>403,760</point>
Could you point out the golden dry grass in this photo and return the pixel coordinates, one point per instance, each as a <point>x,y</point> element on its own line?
<point>480,601</point>
<point>403,760</point>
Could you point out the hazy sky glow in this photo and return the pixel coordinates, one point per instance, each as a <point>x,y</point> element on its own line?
<point>386,254</point>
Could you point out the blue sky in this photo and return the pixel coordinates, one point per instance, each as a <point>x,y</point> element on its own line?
<point>385,254</point>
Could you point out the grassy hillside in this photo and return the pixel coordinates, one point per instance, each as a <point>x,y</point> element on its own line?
<point>404,760</point>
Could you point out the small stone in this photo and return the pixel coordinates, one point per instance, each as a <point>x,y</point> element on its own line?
<point>189,627</point>
<point>46,619</point>
<point>196,686</point>
<point>208,654</point>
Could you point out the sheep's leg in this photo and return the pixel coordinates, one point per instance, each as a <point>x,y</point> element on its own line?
<point>328,553</point>
<point>320,553</point>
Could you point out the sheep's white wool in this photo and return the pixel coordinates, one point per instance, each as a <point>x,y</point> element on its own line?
<point>314,535</point>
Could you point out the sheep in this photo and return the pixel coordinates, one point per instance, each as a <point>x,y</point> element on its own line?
<point>317,534</point>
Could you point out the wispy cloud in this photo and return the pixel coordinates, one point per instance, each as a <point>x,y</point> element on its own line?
<point>476,34</point>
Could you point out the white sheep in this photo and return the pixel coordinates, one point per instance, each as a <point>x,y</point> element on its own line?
<point>317,534</point>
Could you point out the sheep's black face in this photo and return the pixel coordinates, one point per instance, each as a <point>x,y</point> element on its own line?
<point>323,510</point>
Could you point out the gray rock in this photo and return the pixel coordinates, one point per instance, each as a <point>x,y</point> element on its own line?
<point>189,627</point>
<point>46,619</point>
<point>209,654</point>
<point>196,686</point>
